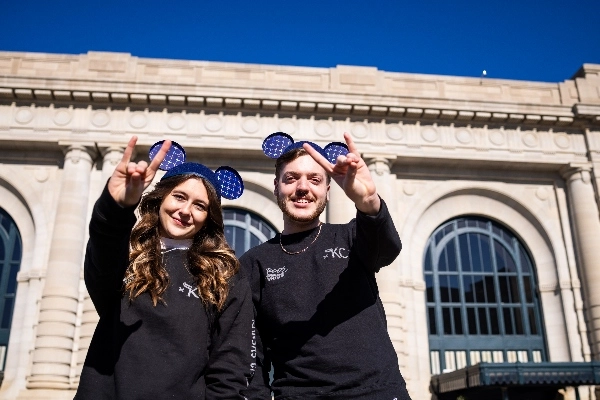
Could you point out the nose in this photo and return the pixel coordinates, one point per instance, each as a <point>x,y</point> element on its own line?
<point>186,209</point>
<point>302,185</point>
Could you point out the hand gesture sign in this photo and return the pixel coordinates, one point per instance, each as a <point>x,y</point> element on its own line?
<point>353,176</point>
<point>130,179</point>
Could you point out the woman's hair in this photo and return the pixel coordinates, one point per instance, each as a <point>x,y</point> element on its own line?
<point>210,259</point>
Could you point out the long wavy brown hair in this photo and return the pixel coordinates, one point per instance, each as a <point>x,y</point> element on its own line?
<point>210,259</point>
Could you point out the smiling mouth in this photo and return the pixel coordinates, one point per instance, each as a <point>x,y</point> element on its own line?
<point>181,223</point>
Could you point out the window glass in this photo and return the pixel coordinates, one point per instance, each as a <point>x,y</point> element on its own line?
<point>10,262</point>
<point>244,229</point>
<point>481,294</point>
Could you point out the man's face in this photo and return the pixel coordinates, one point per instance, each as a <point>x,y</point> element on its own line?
<point>302,191</point>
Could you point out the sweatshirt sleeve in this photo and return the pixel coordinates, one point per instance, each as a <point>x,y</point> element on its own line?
<point>231,357</point>
<point>107,251</point>
<point>377,239</point>
<point>259,387</point>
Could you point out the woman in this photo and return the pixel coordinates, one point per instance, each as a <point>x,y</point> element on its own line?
<point>175,317</point>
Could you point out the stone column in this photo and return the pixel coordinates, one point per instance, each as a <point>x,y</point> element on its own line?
<point>53,350</point>
<point>340,209</point>
<point>388,279</point>
<point>89,316</point>
<point>586,222</point>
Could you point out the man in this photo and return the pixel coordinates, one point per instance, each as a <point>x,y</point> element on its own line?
<point>319,318</point>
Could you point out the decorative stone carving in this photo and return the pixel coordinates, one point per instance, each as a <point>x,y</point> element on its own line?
<point>100,119</point>
<point>542,193</point>
<point>563,141</point>
<point>360,130</point>
<point>138,120</point>
<point>287,125</point>
<point>24,115</point>
<point>464,136</point>
<point>395,132</point>
<point>430,134</point>
<point>62,117</point>
<point>531,139</point>
<point>250,125</point>
<point>323,128</point>
<point>497,138</point>
<point>213,123</point>
<point>176,122</point>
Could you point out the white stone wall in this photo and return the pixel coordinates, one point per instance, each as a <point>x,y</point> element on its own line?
<point>525,154</point>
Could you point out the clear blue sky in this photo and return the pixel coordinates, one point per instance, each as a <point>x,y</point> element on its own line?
<point>541,40</point>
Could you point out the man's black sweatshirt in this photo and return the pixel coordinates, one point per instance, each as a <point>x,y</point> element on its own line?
<point>320,320</point>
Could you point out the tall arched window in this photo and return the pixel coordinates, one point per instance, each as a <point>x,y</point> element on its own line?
<point>244,229</point>
<point>10,262</point>
<point>482,303</point>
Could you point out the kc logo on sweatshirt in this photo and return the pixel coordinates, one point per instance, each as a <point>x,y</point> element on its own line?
<point>275,273</point>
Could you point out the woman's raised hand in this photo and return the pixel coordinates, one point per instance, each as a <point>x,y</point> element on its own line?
<point>129,180</point>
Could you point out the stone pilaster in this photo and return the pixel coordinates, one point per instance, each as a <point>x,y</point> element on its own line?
<point>586,221</point>
<point>89,316</point>
<point>53,351</point>
<point>340,209</point>
<point>388,279</point>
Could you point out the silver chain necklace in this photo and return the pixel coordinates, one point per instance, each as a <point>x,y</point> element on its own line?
<point>304,249</point>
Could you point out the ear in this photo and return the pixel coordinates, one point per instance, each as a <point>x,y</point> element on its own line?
<point>276,188</point>
<point>328,187</point>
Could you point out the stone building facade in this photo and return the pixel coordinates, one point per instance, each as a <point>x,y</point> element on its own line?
<point>518,160</point>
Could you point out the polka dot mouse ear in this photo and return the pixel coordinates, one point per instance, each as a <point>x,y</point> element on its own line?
<point>175,156</point>
<point>275,144</point>
<point>334,150</point>
<point>226,181</point>
<point>279,143</point>
<point>230,182</point>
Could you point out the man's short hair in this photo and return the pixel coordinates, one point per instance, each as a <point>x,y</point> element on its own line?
<point>290,156</point>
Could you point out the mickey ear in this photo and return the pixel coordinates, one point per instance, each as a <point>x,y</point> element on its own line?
<point>335,149</point>
<point>275,143</point>
<point>230,182</point>
<point>175,156</point>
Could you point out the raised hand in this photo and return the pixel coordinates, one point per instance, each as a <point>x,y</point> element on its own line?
<point>129,180</point>
<point>353,176</point>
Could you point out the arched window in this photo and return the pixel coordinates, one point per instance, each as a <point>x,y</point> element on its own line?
<point>482,303</point>
<point>244,229</point>
<point>10,262</point>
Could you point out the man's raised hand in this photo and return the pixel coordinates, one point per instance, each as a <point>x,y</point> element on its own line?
<point>353,176</point>
<point>129,180</point>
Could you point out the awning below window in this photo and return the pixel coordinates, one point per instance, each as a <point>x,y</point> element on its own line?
<point>514,381</point>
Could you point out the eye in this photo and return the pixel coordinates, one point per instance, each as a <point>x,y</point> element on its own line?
<point>200,206</point>
<point>178,196</point>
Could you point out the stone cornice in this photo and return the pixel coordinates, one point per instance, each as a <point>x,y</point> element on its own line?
<point>120,80</point>
<point>558,116</point>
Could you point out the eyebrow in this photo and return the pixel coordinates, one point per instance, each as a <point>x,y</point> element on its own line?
<point>309,174</point>
<point>179,191</point>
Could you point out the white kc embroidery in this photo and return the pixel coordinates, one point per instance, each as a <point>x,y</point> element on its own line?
<point>191,289</point>
<point>275,273</point>
<point>336,253</point>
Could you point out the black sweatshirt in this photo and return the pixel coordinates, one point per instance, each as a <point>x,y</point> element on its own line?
<point>320,320</point>
<point>174,350</point>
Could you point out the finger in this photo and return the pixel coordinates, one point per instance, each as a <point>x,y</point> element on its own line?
<point>128,151</point>
<point>350,143</point>
<point>131,168</point>
<point>160,156</point>
<point>322,161</point>
<point>141,167</point>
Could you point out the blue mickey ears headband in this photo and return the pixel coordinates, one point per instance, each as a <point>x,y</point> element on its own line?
<point>279,143</point>
<point>225,180</point>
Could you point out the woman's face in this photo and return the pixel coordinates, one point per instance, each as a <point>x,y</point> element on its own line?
<point>184,210</point>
